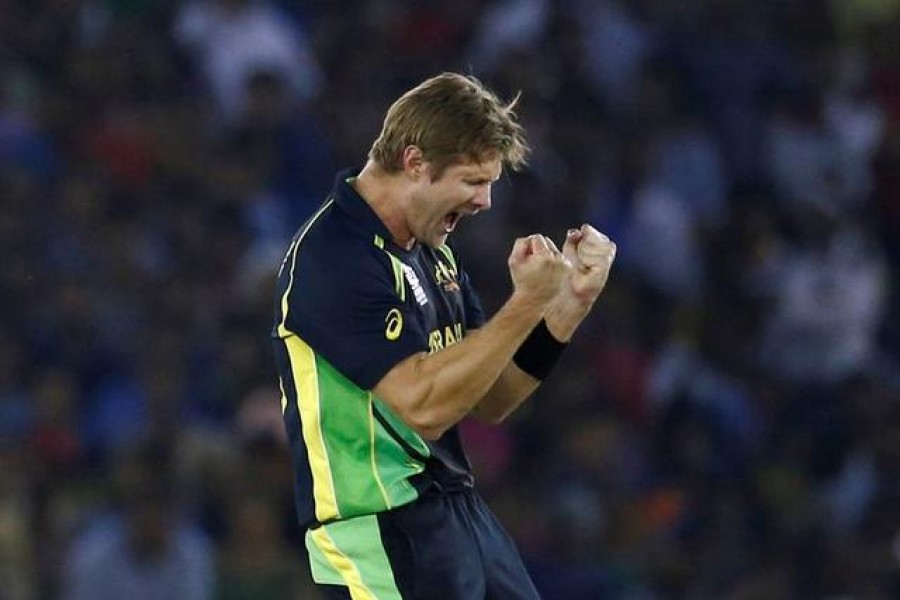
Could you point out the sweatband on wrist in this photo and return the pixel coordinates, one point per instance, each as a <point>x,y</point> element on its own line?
<point>539,352</point>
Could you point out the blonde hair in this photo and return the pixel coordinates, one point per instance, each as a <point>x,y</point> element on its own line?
<point>451,118</point>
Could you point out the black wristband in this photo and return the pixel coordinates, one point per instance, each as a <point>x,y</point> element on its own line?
<point>539,352</point>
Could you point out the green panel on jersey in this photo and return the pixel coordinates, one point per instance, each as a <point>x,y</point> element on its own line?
<point>413,439</point>
<point>370,469</point>
<point>393,465</point>
<point>351,553</point>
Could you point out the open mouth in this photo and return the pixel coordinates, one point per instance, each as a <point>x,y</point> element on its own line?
<point>450,221</point>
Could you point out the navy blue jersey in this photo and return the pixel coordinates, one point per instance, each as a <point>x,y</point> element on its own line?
<point>350,305</point>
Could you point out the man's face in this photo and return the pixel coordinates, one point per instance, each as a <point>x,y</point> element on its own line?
<point>463,189</point>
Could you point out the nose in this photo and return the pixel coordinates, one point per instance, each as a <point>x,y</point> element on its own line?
<point>482,200</point>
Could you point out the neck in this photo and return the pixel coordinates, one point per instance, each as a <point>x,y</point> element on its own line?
<point>386,194</point>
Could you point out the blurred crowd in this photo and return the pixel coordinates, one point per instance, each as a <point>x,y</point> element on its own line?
<point>726,425</point>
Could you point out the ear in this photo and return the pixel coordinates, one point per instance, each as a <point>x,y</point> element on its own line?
<point>414,163</point>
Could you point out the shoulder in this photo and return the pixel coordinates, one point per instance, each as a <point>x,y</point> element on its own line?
<point>333,264</point>
<point>331,245</point>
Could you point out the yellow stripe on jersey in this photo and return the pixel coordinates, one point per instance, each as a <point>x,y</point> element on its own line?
<point>342,564</point>
<point>399,281</point>
<point>306,380</point>
<point>445,250</point>
<point>396,266</point>
<point>384,494</point>
<point>283,331</point>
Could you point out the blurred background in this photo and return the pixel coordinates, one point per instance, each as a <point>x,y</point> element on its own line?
<point>726,424</point>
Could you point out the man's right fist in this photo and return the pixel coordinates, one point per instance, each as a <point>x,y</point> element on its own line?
<point>538,269</point>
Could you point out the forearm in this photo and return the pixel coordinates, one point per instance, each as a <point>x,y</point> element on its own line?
<point>512,387</point>
<point>566,314</point>
<point>432,392</point>
<point>515,384</point>
<point>591,254</point>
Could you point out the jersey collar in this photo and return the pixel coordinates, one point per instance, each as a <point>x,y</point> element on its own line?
<point>349,201</point>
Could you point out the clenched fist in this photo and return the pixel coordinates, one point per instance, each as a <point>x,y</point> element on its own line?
<point>591,254</point>
<point>538,269</point>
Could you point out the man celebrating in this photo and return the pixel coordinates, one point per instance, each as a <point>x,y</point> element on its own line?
<point>382,348</point>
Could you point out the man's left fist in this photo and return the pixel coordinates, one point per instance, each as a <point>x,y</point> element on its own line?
<point>594,249</point>
<point>592,255</point>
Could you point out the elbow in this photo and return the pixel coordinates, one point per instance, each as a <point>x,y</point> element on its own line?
<point>428,425</point>
<point>426,412</point>
<point>427,418</point>
<point>431,434</point>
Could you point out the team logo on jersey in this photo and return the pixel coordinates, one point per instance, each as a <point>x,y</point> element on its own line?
<point>446,277</point>
<point>415,284</point>
<point>393,324</point>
